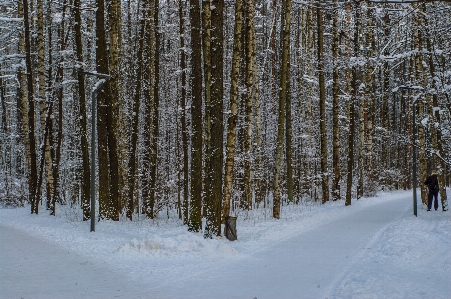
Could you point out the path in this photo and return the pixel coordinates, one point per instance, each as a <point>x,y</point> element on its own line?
<point>33,268</point>
<point>306,266</point>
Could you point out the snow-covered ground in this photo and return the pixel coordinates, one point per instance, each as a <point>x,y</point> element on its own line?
<point>374,248</point>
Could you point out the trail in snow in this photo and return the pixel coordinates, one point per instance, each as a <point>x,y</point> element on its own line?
<point>308,265</point>
<point>373,249</point>
<point>34,268</point>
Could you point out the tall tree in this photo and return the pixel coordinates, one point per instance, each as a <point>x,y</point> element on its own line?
<point>183,120</point>
<point>135,117</point>
<point>354,87</point>
<point>335,107</point>
<point>196,118</point>
<point>248,99</point>
<point>42,99</point>
<point>233,108</point>
<point>33,173</point>
<point>86,177</point>
<point>283,94</point>
<point>147,92</point>
<point>103,102</point>
<point>155,110</point>
<point>215,159</point>
<point>322,106</point>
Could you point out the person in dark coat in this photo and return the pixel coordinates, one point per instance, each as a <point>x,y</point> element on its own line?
<point>432,183</point>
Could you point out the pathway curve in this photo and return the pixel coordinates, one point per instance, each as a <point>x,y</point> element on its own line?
<point>309,265</point>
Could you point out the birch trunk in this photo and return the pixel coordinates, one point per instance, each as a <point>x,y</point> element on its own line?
<point>248,98</point>
<point>42,100</point>
<point>232,120</point>
<point>23,102</point>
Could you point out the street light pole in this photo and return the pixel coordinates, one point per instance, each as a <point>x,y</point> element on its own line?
<point>414,150</point>
<point>103,78</point>
<point>414,158</point>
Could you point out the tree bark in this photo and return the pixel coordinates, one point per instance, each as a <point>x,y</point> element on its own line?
<point>232,120</point>
<point>248,99</point>
<point>86,177</point>
<point>322,108</point>
<point>354,87</point>
<point>196,118</point>
<point>183,120</point>
<point>283,94</point>
<point>335,108</point>
<point>134,126</point>
<point>33,174</point>
<point>103,101</point>
<point>155,111</point>
<point>214,170</point>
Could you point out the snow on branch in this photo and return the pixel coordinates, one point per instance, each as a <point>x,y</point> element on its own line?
<point>3,19</point>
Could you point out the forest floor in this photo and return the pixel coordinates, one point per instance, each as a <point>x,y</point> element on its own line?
<point>374,248</point>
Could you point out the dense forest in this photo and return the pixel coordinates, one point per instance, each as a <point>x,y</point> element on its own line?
<point>213,108</point>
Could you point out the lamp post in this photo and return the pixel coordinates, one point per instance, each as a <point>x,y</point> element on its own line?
<point>414,151</point>
<point>103,78</point>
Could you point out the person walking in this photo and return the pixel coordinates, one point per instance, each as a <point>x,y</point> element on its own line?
<point>432,183</point>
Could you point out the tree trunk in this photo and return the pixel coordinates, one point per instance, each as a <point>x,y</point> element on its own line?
<point>42,101</point>
<point>147,93</point>
<point>335,108</point>
<point>33,174</point>
<point>214,183</point>
<point>283,94</point>
<point>322,108</point>
<point>196,119</point>
<point>103,101</point>
<point>232,120</point>
<point>183,120</point>
<point>134,127</point>
<point>86,177</point>
<point>419,74</point>
<point>354,87</point>
<point>206,55</point>
<point>155,111</point>
<point>117,167</point>
<point>248,98</point>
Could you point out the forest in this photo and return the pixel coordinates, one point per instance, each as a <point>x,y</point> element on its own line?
<point>206,109</point>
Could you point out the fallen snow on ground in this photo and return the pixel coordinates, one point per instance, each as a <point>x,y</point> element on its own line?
<point>163,250</point>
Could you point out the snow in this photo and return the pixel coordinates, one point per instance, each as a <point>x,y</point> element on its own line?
<point>3,19</point>
<point>374,248</point>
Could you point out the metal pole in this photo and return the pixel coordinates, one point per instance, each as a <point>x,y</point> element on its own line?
<point>93,159</point>
<point>414,150</point>
<point>93,140</point>
<point>93,150</point>
<point>414,162</point>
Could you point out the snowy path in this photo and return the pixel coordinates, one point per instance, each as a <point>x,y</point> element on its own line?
<point>33,268</point>
<point>373,249</point>
<point>306,266</point>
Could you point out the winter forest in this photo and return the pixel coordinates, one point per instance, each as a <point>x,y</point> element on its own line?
<point>214,108</point>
